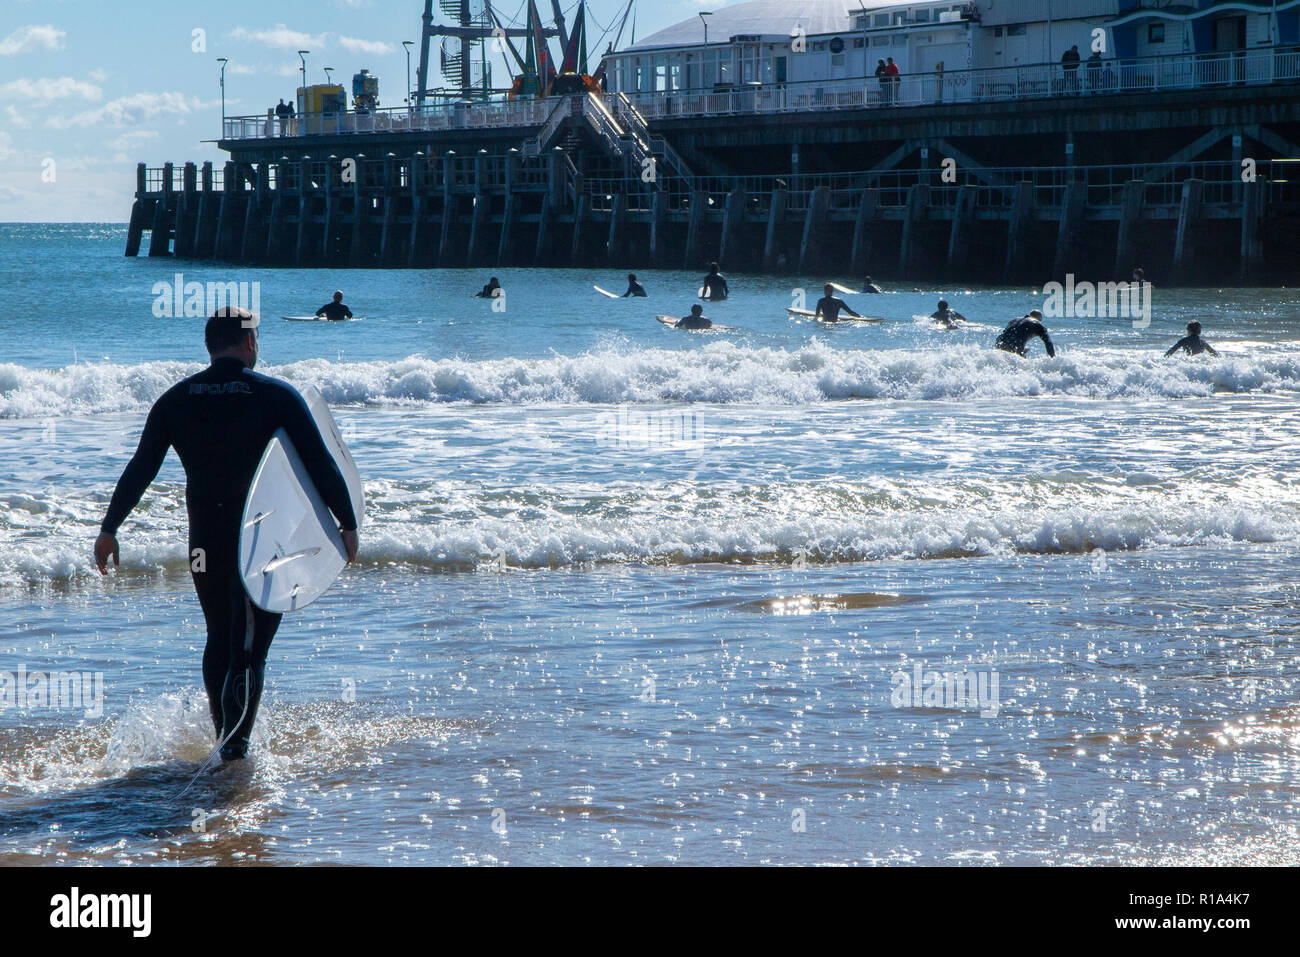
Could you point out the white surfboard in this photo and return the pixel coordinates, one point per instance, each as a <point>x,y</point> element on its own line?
<point>809,314</point>
<point>290,549</point>
<point>606,292</point>
<point>672,324</point>
<point>845,290</point>
<point>318,319</point>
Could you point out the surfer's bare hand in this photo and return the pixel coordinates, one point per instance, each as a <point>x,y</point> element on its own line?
<point>105,546</point>
<point>350,542</point>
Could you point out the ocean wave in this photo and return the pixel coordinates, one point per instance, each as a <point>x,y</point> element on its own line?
<point>719,372</point>
<point>445,528</point>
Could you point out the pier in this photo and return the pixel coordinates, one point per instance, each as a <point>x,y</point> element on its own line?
<point>1183,165</point>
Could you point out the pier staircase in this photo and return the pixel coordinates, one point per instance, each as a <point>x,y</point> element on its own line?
<point>620,131</point>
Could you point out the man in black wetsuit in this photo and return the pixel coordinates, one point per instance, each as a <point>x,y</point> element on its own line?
<point>947,315</point>
<point>1192,343</point>
<point>491,291</point>
<point>219,422</point>
<point>829,308</point>
<point>334,311</point>
<point>1016,336</point>
<point>715,286</point>
<point>695,320</point>
<point>634,288</point>
<point>870,287</point>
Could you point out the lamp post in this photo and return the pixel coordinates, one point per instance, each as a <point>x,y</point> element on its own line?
<point>302,55</point>
<point>329,79</point>
<point>706,26</point>
<point>223,61</point>
<point>407,44</point>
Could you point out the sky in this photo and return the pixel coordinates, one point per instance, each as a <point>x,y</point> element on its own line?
<point>89,88</point>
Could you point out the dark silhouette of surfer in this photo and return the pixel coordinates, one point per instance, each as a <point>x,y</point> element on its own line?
<point>1016,336</point>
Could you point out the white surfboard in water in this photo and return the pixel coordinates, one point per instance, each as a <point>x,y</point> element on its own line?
<point>606,292</point>
<point>290,549</point>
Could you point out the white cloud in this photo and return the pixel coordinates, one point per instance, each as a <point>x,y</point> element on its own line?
<point>48,89</point>
<point>280,37</point>
<point>131,139</point>
<point>16,119</point>
<point>31,38</point>
<point>99,76</point>
<point>377,47</point>
<point>130,110</point>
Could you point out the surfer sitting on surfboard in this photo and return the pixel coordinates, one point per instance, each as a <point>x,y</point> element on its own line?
<point>219,422</point>
<point>696,320</point>
<point>946,315</point>
<point>869,286</point>
<point>491,291</point>
<point>829,308</point>
<point>715,286</point>
<point>334,311</point>
<point>634,288</point>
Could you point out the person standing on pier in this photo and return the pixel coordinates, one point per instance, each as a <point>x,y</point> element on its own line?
<point>715,285</point>
<point>1192,343</point>
<point>1094,71</point>
<point>634,288</point>
<point>1016,336</point>
<point>895,78</point>
<point>282,117</point>
<point>1070,66</point>
<point>882,74</point>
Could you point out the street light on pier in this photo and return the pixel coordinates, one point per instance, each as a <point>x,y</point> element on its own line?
<point>706,26</point>
<point>302,55</point>
<point>407,44</point>
<point>223,61</point>
<point>329,79</point>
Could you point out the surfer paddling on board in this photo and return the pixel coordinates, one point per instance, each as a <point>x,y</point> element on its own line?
<point>829,308</point>
<point>334,310</point>
<point>1192,343</point>
<point>1016,336</point>
<point>947,316</point>
<point>695,320</point>
<point>220,422</point>
<point>715,285</point>
<point>634,288</point>
<point>492,290</point>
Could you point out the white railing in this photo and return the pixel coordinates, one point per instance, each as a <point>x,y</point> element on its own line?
<point>1042,80</point>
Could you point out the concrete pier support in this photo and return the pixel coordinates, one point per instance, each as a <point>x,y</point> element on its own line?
<point>416,234</point>
<point>509,242</point>
<point>616,247</point>
<point>227,215</point>
<point>136,227</point>
<point>1018,235</point>
<point>186,212</point>
<point>772,245</point>
<point>306,196</point>
<point>160,231</point>
<point>733,219</point>
<point>543,254</point>
<point>695,228</point>
<point>963,222</point>
<point>1069,235</point>
<point>579,228</point>
<point>1126,252</point>
<point>1189,215</point>
<point>450,210</point>
<point>388,238</point>
<point>863,249</point>
<point>1252,246</point>
<point>909,254</point>
<point>658,229</point>
<point>481,222</point>
<point>814,227</point>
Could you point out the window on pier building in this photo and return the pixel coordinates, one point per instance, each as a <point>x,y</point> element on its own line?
<point>1156,33</point>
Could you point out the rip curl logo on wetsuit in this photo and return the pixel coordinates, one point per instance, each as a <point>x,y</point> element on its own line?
<point>228,388</point>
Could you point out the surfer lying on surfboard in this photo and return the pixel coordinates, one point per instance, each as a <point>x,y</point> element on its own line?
<point>334,310</point>
<point>219,422</point>
<point>829,308</point>
<point>947,316</point>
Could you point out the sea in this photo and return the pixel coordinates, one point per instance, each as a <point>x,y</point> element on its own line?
<point>786,593</point>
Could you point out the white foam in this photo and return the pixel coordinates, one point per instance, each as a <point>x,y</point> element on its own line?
<point>719,372</point>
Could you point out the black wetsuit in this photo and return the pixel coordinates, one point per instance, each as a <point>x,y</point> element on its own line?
<point>872,288</point>
<point>949,317</point>
<point>694,322</point>
<point>715,287</point>
<point>829,308</point>
<point>636,290</point>
<point>489,292</point>
<point>1193,346</point>
<point>1016,336</point>
<point>219,422</point>
<point>334,311</point>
